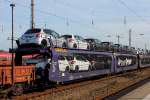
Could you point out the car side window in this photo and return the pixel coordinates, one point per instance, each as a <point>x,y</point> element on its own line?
<point>56,35</point>
<point>97,41</point>
<point>50,32</point>
<point>81,38</point>
<point>76,37</point>
<point>81,58</point>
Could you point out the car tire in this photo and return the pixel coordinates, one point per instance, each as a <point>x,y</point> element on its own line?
<point>88,47</point>
<point>75,46</point>
<point>64,45</point>
<point>77,69</point>
<point>44,44</point>
<point>67,69</point>
<point>90,68</point>
<point>17,90</point>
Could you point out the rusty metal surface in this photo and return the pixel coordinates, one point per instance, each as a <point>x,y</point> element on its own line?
<point>21,74</point>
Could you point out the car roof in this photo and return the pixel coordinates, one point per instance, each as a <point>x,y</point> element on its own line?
<point>66,35</point>
<point>90,39</point>
<point>107,42</point>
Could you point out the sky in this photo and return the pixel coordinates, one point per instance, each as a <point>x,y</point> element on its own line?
<point>88,18</point>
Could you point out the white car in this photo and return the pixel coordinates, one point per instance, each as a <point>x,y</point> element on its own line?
<point>40,37</point>
<point>79,63</point>
<point>63,64</point>
<point>75,41</point>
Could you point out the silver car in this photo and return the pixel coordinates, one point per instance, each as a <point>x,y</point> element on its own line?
<point>40,37</point>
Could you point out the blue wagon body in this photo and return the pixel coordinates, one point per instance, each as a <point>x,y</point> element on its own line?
<point>144,61</point>
<point>58,76</point>
<point>125,66</point>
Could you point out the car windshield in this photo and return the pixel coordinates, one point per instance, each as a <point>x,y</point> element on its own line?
<point>50,32</point>
<point>117,45</point>
<point>97,41</point>
<point>80,58</point>
<point>78,37</point>
<point>69,58</point>
<point>93,40</point>
<point>61,58</point>
<point>106,43</point>
<point>31,31</point>
<point>66,36</point>
<point>89,40</point>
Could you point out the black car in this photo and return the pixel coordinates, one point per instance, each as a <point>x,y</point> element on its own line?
<point>117,48</point>
<point>95,44</point>
<point>126,49</point>
<point>107,46</point>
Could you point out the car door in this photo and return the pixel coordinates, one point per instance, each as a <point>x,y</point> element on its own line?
<point>98,44</point>
<point>77,41</point>
<point>60,42</point>
<point>82,62</point>
<point>82,43</point>
<point>62,62</point>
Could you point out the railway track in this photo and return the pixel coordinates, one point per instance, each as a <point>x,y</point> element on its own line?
<point>90,89</point>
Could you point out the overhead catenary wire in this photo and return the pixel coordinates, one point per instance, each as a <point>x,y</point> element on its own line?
<point>69,20</point>
<point>51,14</point>
<point>133,11</point>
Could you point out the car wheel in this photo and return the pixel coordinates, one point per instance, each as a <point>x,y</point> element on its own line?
<point>64,45</point>
<point>90,67</point>
<point>88,47</point>
<point>75,46</point>
<point>67,68</point>
<point>17,90</point>
<point>77,69</point>
<point>44,44</point>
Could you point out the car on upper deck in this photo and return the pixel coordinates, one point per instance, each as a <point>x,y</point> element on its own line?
<point>94,44</point>
<point>107,46</point>
<point>40,37</point>
<point>75,41</point>
<point>117,48</point>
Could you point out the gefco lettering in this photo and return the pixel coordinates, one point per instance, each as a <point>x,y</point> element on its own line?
<point>125,62</point>
<point>60,50</point>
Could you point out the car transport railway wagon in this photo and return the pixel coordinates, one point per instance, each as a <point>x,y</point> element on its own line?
<point>71,64</point>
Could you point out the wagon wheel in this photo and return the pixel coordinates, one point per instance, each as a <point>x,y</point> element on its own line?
<point>17,90</point>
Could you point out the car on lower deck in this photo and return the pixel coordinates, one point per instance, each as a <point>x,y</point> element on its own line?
<point>78,63</point>
<point>63,64</point>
